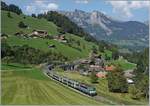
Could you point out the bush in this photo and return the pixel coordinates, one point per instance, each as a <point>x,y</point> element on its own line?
<point>9,15</point>
<point>22,25</point>
<point>33,15</point>
<point>4,35</point>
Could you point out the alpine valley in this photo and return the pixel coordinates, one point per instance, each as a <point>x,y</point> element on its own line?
<point>126,34</point>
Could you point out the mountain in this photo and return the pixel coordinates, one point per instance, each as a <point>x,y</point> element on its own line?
<point>146,23</point>
<point>103,27</point>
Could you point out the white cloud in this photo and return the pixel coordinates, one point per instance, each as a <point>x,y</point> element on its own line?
<point>52,6</point>
<point>125,7</point>
<point>40,7</point>
<point>82,1</point>
<point>30,9</point>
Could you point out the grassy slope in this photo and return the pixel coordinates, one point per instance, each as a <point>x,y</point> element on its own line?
<point>102,89</point>
<point>125,64</point>
<point>26,85</point>
<point>42,44</point>
<point>10,26</point>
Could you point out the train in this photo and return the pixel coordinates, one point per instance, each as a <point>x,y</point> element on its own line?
<point>84,88</point>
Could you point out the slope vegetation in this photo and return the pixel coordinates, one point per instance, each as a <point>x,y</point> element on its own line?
<point>10,27</point>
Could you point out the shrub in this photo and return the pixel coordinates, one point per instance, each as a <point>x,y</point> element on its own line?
<point>22,25</point>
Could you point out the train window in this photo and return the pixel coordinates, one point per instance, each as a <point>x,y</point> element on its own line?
<point>83,86</point>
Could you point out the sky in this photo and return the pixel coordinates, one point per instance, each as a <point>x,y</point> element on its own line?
<point>122,10</point>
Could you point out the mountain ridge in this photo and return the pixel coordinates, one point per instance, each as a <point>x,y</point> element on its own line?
<point>104,27</point>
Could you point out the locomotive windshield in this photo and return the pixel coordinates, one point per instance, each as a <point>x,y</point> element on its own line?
<point>92,89</point>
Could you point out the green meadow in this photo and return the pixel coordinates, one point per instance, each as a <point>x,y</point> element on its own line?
<point>28,85</point>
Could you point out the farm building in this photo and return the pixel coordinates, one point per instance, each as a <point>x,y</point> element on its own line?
<point>39,33</point>
<point>60,38</point>
<point>96,68</point>
<point>128,73</point>
<point>101,74</point>
<point>109,68</point>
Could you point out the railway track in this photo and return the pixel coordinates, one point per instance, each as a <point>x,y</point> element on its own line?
<point>97,97</point>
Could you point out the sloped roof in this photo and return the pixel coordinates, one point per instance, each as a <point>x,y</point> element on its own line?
<point>101,75</point>
<point>109,68</point>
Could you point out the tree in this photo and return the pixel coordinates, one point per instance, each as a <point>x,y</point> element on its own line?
<point>11,7</point>
<point>116,81</point>
<point>115,55</point>
<point>141,74</point>
<point>61,31</point>
<point>94,78</point>
<point>4,35</point>
<point>83,46</point>
<point>4,6</point>
<point>101,48</point>
<point>6,50</point>
<point>78,43</point>
<point>143,85</point>
<point>33,15</point>
<point>107,57</point>
<point>9,15</point>
<point>94,49</point>
<point>22,25</point>
<point>7,59</point>
<point>15,9</point>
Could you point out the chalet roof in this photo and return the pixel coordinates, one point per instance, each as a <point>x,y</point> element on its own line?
<point>101,74</point>
<point>40,30</point>
<point>109,68</point>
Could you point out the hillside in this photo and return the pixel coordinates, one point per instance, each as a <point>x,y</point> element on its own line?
<point>10,27</point>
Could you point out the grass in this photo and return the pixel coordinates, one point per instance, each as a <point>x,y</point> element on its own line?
<point>124,64</point>
<point>10,25</point>
<point>30,86</point>
<point>102,89</point>
<point>43,44</point>
<point>108,53</point>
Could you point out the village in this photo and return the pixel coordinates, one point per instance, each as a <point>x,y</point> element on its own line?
<point>94,63</point>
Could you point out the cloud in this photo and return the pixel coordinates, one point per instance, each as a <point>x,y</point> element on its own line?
<point>30,9</point>
<point>82,1</point>
<point>40,7</point>
<point>125,7</point>
<point>52,6</point>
